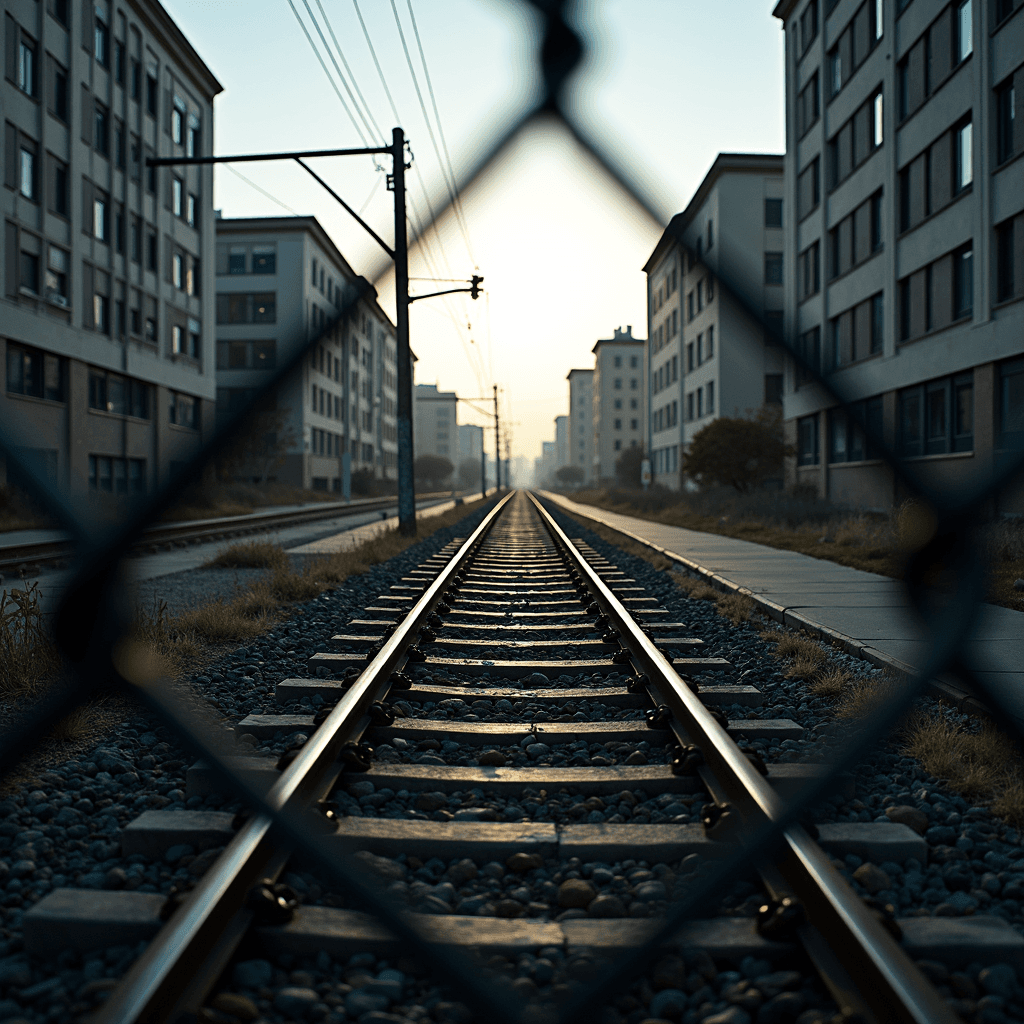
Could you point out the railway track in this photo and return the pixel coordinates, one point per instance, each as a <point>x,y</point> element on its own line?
<point>515,669</point>
<point>172,535</point>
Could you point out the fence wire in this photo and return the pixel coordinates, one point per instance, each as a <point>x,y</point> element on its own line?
<point>93,618</point>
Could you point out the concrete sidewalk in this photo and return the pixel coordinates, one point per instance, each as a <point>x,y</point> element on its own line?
<point>864,613</point>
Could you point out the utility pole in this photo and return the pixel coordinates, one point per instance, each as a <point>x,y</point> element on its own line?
<point>406,492</point>
<point>483,472</point>
<point>497,442</point>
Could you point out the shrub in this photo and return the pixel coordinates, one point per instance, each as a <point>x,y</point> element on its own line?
<point>740,453</point>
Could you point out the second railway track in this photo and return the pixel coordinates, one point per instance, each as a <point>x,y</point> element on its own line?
<point>511,743</point>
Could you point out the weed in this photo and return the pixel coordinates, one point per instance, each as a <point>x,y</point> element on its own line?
<point>864,696</point>
<point>254,554</point>
<point>831,683</point>
<point>29,660</point>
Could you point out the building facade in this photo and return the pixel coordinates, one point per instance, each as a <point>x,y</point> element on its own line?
<point>561,442</point>
<point>435,423</point>
<point>107,323</point>
<point>905,212</point>
<point>471,444</point>
<point>281,284</point>
<point>618,400</point>
<point>707,356</point>
<point>581,421</point>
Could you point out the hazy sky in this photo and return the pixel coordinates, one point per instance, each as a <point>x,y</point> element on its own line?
<point>666,85</point>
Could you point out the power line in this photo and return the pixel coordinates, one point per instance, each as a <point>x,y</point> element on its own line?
<point>330,78</point>
<point>426,119</point>
<point>457,199</point>
<point>355,84</point>
<point>258,188</point>
<point>373,54</point>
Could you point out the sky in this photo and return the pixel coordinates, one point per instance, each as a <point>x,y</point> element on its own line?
<point>664,86</point>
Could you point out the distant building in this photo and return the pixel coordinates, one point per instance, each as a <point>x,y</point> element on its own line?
<point>544,467</point>
<point>471,443</point>
<point>618,402</point>
<point>707,357</point>
<point>905,217</point>
<point>435,423</point>
<point>581,421</point>
<point>280,282</point>
<point>107,312</point>
<point>561,442</point>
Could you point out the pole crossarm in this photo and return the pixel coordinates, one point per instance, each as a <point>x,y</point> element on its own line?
<point>430,295</point>
<point>177,161</point>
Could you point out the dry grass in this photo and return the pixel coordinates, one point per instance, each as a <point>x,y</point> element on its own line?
<point>983,764</point>
<point>735,607</point>
<point>29,661</point>
<point>253,554</point>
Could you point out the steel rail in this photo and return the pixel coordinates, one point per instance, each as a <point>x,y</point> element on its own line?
<point>884,976</point>
<point>13,555</point>
<point>179,966</point>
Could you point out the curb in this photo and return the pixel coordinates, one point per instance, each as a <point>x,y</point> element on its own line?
<point>944,689</point>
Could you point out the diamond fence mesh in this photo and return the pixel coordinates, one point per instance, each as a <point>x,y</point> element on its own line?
<point>93,618</point>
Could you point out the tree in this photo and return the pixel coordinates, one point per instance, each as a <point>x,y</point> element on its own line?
<point>432,470</point>
<point>469,473</point>
<point>571,475</point>
<point>741,453</point>
<point>627,466</point>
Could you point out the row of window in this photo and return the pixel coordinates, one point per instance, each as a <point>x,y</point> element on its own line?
<point>112,475</point>
<point>940,50</point>
<point>935,177</point>
<point>666,331</point>
<point>701,402</point>
<point>665,417</point>
<point>634,424</point>
<point>937,295</point>
<point>634,362</point>
<point>247,307</point>
<point>661,295</point>
<point>666,374</point>
<point>857,41</point>
<point>246,259</point>
<point>859,138</point>
<point>666,460</point>
<point>856,238</point>
<point>123,396</point>
<point>701,349</point>
<point>696,298</point>
<point>323,442</point>
<point>247,355</point>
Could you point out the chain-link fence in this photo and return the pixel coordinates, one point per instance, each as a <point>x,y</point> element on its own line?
<point>93,618</point>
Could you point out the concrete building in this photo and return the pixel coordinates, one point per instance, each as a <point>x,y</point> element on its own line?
<point>280,282</point>
<point>107,323</point>
<point>707,356</point>
<point>905,212</point>
<point>618,400</point>
<point>471,443</point>
<point>544,467</point>
<point>581,421</point>
<point>561,442</point>
<point>581,426</point>
<point>435,423</point>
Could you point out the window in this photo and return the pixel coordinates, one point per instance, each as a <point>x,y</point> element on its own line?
<point>152,89</point>
<point>119,59</point>
<point>236,260</point>
<point>711,396</point>
<point>879,19</point>
<point>184,410</point>
<point>135,158</point>
<point>190,210</point>
<point>618,424</point>
<point>135,81</point>
<point>178,121</point>
<point>877,323</point>
<point>689,407</point>
<point>152,259</point>
<point>809,349</point>
<point>177,270</point>
<point>963,30</point>
<point>124,396</point>
<point>964,173</point>
<point>264,259</point>
<point>963,282</point>
<point>26,66</point>
<point>711,235</point>
<point>59,9</point>
<point>119,145</point>
<point>773,268</point>
<point>809,271</point>
<point>177,196</point>
<point>59,93</point>
<point>773,213</point>
<point>27,172</point>
<point>808,193</point>
<point>100,212</point>
<point>117,476</point>
<point>875,213</point>
<point>119,230</point>
<point>242,308</point>
<point>1006,115</point>
<point>808,26</point>
<point>878,120</point>
<point>835,72</point>
<point>101,41</point>
<point>689,306</point>
<point>56,277</point>
<point>807,105</point>
<point>29,272</point>
<point>192,147</point>
<point>807,441</point>
<point>937,417</point>
<point>135,239</point>
<point>101,129</point>
<point>34,373</point>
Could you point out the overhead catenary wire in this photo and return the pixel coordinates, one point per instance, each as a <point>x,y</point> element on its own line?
<point>456,197</point>
<point>259,188</point>
<point>430,129</point>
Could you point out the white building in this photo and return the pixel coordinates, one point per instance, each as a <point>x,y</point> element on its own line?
<point>706,356</point>
<point>281,282</point>
<point>435,423</point>
<point>107,318</point>
<point>471,443</point>
<point>561,442</point>
<point>581,421</point>
<point>618,402</point>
